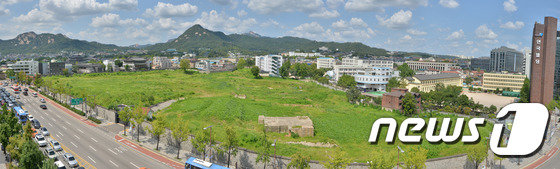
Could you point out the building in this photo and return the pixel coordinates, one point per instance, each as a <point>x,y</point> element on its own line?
<point>393,100</point>
<point>423,65</point>
<point>269,63</point>
<point>357,62</point>
<point>527,62</point>
<point>506,59</point>
<point>55,68</point>
<point>373,79</point>
<point>494,81</point>
<point>136,63</point>
<point>68,66</point>
<point>543,61</point>
<point>210,66</point>
<point>325,63</point>
<point>557,71</point>
<point>427,83</point>
<point>161,63</point>
<point>482,63</point>
<point>301,54</point>
<point>44,68</point>
<point>88,68</point>
<point>30,67</point>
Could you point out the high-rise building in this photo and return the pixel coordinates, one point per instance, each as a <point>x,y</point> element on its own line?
<point>269,63</point>
<point>482,63</point>
<point>506,59</point>
<point>557,70</point>
<point>543,60</point>
<point>324,62</point>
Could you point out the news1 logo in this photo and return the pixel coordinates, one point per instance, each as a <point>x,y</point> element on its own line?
<point>526,136</point>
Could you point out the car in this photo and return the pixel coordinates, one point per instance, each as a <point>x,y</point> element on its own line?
<point>35,94</point>
<point>41,140</point>
<point>17,96</point>
<point>43,106</point>
<point>71,160</point>
<point>30,117</point>
<point>44,131</point>
<point>59,165</point>
<point>25,89</point>
<point>42,100</point>
<point>35,123</point>
<point>25,93</point>
<point>49,152</point>
<point>10,104</point>
<point>56,146</point>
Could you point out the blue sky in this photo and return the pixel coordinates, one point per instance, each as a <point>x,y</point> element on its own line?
<point>456,27</point>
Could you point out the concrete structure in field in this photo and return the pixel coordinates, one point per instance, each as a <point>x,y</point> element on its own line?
<point>30,67</point>
<point>543,60</point>
<point>427,83</point>
<point>302,125</point>
<point>423,65</point>
<point>161,63</point>
<point>494,81</point>
<point>393,100</point>
<point>325,63</point>
<point>482,63</point>
<point>357,62</point>
<point>270,64</point>
<point>506,59</point>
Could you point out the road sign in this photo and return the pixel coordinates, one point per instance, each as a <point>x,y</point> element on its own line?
<point>76,101</point>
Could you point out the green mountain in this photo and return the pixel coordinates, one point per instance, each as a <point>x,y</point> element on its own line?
<point>31,42</point>
<point>199,39</point>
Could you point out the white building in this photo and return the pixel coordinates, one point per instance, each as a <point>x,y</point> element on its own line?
<point>527,63</point>
<point>30,67</point>
<point>325,62</point>
<point>111,64</point>
<point>374,79</point>
<point>161,63</point>
<point>301,54</point>
<point>357,62</point>
<point>269,63</point>
<point>422,65</point>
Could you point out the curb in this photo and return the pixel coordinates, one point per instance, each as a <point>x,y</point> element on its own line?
<point>543,159</point>
<point>66,110</point>
<point>155,155</point>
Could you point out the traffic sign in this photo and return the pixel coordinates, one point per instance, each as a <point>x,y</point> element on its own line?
<point>76,101</point>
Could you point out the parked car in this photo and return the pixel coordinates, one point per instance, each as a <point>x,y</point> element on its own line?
<point>41,140</point>
<point>35,123</point>
<point>25,93</point>
<point>35,94</point>
<point>71,160</point>
<point>17,96</point>
<point>43,106</point>
<point>42,100</point>
<point>56,146</point>
<point>59,165</point>
<point>30,117</point>
<point>49,152</point>
<point>44,131</point>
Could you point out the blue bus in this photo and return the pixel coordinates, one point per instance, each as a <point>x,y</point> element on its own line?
<point>195,163</point>
<point>21,114</point>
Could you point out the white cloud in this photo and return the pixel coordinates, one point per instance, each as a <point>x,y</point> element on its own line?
<point>513,25</point>
<point>309,30</point>
<point>277,6</point>
<point>324,13</point>
<point>406,37</point>
<point>379,5</point>
<point>241,13</point>
<point>416,32</point>
<point>334,3</point>
<point>271,22</point>
<point>114,20</point>
<point>36,16</point>
<point>399,20</point>
<point>223,2</point>
<point>4,11</point>
<point>123,4</point>
<point>358,22</point>
<point>68,10</point>
<point>456,35</point>
<point>509,5</point>
<point>354,23</point>
<point>165,10</point>
<point>449,3</point>
<point>485,33</point>
<point>469,42</point>
<point>10,2</point>
<point>220,21</point>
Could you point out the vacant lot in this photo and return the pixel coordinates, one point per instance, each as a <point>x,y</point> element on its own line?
<point>210,99</point>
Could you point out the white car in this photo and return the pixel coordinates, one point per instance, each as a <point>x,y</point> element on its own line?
<point>42,100</point>
<point>59,165</point>
<point>30,117</point>
<point>71,160</point>
<point>41,140</point>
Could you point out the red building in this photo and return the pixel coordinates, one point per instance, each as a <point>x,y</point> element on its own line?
<point>393,100</point>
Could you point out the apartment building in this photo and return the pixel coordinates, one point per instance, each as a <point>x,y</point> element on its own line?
<point>30,67</point>
<point>423,65</point>
<point>161,63</point>
<point>427,83</point>
<point>301,54</point>
<point>325,63</point>
<point>494,81</point>
<point>507,59</point>
<point>269,63</point>
<point>357,62</point>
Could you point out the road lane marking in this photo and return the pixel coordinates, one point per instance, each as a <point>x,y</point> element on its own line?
<point>58,116</point>
<point>56,135</point>
<point>113,163</point>
<point>53,119</point>
<point>112,151</point>
<point>68,123</point>
<point>94,139</point>
<point>50,124</point>
<point>92,148</point>
<point>60,134</point>
<point>135,166</point>
<point>80,131</point>
<point>64,127</point>
<point>76,136</point>
<point>74,144</point>
<point>118,150</point>
<point>91,159</point>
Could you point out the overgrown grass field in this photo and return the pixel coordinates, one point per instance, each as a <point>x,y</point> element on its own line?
<point>210,100</point>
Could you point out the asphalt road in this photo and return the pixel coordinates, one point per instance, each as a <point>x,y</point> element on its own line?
<point>94,148</point>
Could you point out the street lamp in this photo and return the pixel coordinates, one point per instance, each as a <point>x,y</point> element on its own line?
<point>398,152</point>
<point>210,154</point>
<point>274,145</point>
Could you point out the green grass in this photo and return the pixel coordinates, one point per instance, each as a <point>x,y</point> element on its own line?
<point>210,100</point>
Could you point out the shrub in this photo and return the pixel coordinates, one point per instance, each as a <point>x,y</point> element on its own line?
<point>95,120</point>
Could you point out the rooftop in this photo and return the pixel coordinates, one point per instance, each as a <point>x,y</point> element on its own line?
<point>434,76</point>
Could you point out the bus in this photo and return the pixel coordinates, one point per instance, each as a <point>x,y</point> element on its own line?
<point>195,163</point>
<point>20,114</point>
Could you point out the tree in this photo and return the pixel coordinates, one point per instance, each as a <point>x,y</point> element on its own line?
<point>415,158</point>
<point>346,81</point>
<point>241,64</point>
<point>125,115</point>
<point>255,72</point>
<point>492,109</point>
<point>158,129</point>
<point>127,67</point>
<point>468,80</point>
<point>382,160</point>
<point>139,118</point>
<point>353,95</point>
<point>393,83</point>
<point>405,71</point>
<point>65,72</point>
<point>48,164</point>
<point>201,141</point>
<point>415,90</point>
<point>14,145</point>
<point>110,67</point>
<point>409,104</point>
<point>231,143</point>
<point>263,150</point>
<point>30,155</point>
<point>179,133</point>
<point>477,153</point>
<point>28,131</point>
<point>119,63</point>
<point>299,161</point>
<point>285,69</point>
<point>524,95</point>
<point>10,73</point>
<point>185,64</point>
<point>337,160</point>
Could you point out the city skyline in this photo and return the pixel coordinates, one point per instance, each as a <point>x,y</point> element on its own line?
<point>433,26</point>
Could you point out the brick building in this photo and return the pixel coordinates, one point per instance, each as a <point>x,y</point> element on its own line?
<point>543,61</point>
<point>393,100</point>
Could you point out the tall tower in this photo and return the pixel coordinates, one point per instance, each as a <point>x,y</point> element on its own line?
<point>543,60</point>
